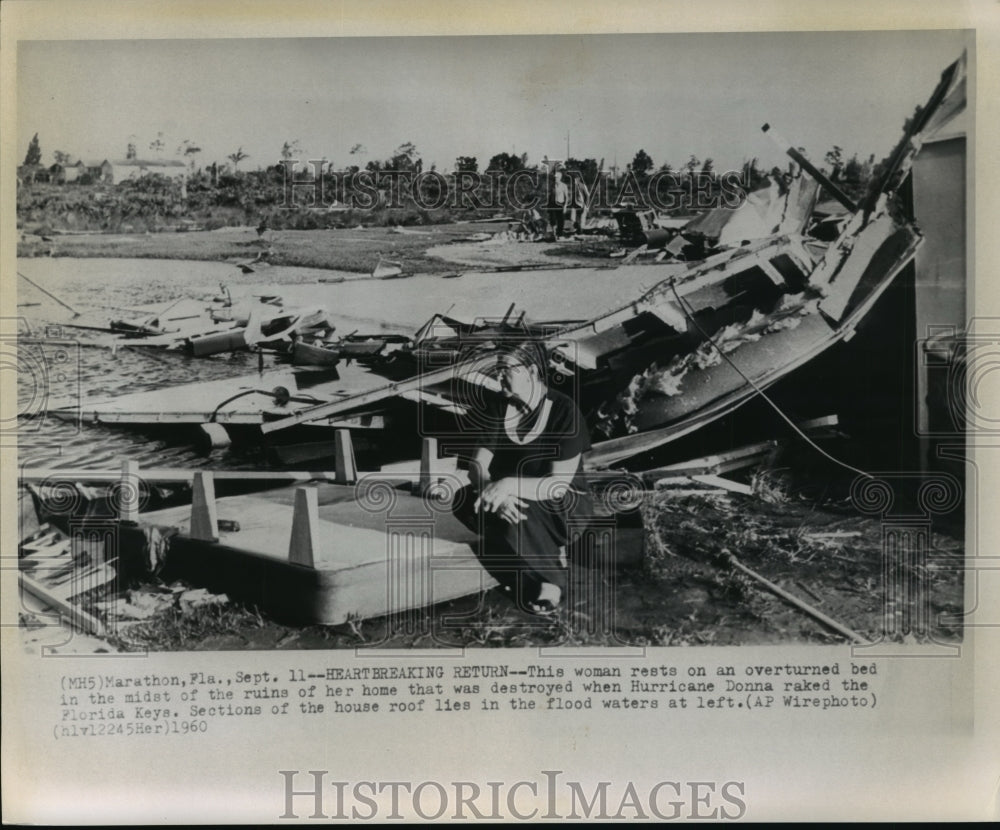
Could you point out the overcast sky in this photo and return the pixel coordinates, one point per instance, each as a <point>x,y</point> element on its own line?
<point>672,95</point>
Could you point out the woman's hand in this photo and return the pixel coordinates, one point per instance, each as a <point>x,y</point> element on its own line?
<point>512,511</point>
<point>501,497</point>
<point>496,493</point>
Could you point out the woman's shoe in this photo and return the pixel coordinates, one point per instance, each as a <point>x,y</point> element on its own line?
<point>547,603</point>
<point>543,608</point>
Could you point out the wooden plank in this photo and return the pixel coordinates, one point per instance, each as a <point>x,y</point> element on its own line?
<point>48,550</point>
<point>433,400</point>
<point>36,475</point>
<point>818,423</point>
<point>391,390</point>
<point>738,464</point>
<point>693,491</point>
<point>732,460</point>
<point>76,616</point>
<point>87,580</point>
<point>247,399</point>
<point>725,484</point>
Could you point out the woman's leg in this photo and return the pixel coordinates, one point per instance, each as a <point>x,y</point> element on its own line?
<point>523,556</point>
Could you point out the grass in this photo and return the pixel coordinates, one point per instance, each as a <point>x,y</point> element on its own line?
<point>182,630</point>
<point>682,593</point>
<point>832,560</point>
<point>345,249</point>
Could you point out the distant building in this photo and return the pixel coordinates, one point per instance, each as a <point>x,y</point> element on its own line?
<point>31,173</point>
<point>65,173</point>
<point>92,168</point>
<point>116,172</point>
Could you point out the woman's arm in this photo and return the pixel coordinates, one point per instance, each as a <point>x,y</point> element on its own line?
<point>508,507</point>
<point>535,488</point>
<point>479,466</point>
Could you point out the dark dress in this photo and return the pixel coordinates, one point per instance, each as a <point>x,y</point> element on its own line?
<point>524,555</point>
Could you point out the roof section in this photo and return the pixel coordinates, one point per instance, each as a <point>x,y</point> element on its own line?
<point>950,119</point>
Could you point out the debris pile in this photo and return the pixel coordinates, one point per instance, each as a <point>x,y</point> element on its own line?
<point>147,600</point>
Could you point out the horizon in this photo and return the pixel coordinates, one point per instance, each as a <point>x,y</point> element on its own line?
<point>607,96</point>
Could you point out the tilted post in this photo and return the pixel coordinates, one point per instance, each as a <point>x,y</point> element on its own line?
<point>204,518</point>
<point>304,541</point>
<point>128,492</point>
<point>345,466</point>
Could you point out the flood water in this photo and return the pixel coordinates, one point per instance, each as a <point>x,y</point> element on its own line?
<point>58,360</point>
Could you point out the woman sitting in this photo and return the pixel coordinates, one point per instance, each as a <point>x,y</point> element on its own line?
<point>528,492</point>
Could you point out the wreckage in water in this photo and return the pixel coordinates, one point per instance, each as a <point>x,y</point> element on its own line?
<point>690,349</point>
<point>216,326</point>
<point>697,345</point>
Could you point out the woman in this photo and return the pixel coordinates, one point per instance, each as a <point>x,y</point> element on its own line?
<point>528,492</point>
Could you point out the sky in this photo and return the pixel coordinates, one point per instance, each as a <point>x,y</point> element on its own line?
<point>672,95</point>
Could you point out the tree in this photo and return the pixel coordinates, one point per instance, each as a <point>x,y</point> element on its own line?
<point>834,158</point>
<point>130,150</point>
<point>587,168</point>
<point>405,157</point>
<point>642,163</point>
<point>237,157</point>
<point>693,163</point>
<point>34,154</point>
<point>61,157</point>
<point>506,163</point>
<point>466,164</point>
<point>189,150</point>
<point>707,165</point>
<point>290,149</point>
<point>157,145</point>
<point>852,170</point>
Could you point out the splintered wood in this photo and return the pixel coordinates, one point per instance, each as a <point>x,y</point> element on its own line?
<point>55,571</point>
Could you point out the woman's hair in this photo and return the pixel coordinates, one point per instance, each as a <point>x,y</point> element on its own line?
<point>527,353</point>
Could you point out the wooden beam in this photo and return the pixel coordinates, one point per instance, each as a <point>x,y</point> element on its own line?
<point>35,475</point>
<point>725,484</point>
<point>75,615</point>
<point>418,383</point>
<point>712,464</point>
<point>816,614</point>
